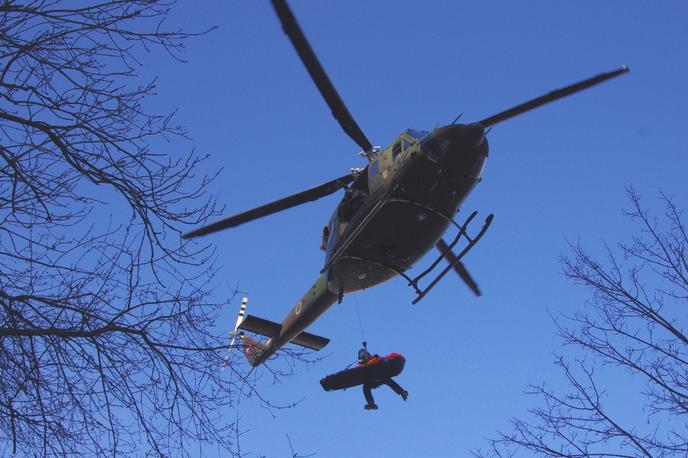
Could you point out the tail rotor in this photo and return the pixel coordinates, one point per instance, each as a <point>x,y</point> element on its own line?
<point>235,332</point>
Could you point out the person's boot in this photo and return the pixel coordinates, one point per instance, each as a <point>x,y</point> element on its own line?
<point>372,406</point>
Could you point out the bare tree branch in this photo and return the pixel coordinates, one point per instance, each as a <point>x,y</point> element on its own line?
<point>635,322</point>
<point>108,339</point>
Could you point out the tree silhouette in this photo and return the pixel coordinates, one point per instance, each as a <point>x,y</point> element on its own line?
<point>633,322</point>
<point>107,337</point>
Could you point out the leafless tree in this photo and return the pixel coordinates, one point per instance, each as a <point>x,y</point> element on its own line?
<point>633,323</point>
<point>107,337</point>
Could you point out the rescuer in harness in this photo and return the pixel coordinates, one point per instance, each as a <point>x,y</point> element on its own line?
<point>364,357</point>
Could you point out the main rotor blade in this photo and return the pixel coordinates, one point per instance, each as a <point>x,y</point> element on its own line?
<point>273,207</point>
<point>320,78</point>
<point>460,269</point>
<point>552,96</point>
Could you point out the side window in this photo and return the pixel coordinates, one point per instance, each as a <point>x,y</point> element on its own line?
<point>374,166</point>
<point>396,149</point>
<point>406,144</point>
<point>333,234</point>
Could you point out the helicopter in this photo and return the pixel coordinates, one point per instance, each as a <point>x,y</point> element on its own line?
<point>394,210</point>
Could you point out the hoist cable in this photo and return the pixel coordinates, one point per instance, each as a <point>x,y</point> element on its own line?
<point>358,314</point>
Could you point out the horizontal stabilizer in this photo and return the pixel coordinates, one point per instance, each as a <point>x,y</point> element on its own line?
<point>311,341</point>
<point>260,326</point>
<point>269,328</point>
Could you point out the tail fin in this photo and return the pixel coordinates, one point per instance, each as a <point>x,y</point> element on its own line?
<point>252,348</point>
<point>258,351</point>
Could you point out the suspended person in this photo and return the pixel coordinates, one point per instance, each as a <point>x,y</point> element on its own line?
<point>364,357</point>
<point>363,354</point>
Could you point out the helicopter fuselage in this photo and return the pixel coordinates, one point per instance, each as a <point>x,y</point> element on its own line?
<point>401,204</point>
<point>395,211</point>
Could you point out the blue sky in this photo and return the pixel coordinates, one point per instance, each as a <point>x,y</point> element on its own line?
<point>555,174</point>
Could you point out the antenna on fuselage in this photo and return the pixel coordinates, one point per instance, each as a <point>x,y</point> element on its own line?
<point>457,118</point>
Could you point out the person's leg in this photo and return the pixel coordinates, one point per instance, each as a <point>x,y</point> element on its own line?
<point>397,388</point>
<point>370,402</point>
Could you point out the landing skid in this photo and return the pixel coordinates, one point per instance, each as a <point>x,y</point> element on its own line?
<point>471,243</point>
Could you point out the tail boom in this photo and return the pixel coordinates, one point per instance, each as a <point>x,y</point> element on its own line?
<point>313,304</point>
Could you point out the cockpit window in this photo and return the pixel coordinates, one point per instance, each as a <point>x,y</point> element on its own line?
<point>417,134</point>
<point>396,149</point>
